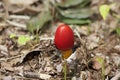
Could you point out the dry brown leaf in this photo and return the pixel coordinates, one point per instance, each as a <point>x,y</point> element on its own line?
<point>116,77</point>
<point>116,58</point>
<point>7,78</point>
<point>117,48</point>
<point>3,50</point>
<point>21,2</point>
<point>7,66</point>
<point>22,6</point>
<point>95,64</point>
<point>107,70</point>
<point>93,41</point>
<point>45,76</point>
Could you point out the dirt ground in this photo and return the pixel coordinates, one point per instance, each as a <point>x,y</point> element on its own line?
<point>97,45</point>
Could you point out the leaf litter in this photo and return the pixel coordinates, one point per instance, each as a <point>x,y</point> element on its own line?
<point>39,59</point>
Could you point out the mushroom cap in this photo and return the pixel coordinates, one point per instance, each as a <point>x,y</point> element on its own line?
<point>64,37</point>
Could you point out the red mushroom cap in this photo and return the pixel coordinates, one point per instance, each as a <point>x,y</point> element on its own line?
<point>64,37</point>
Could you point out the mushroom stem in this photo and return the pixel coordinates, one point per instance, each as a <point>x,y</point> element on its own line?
<point>66,53</point>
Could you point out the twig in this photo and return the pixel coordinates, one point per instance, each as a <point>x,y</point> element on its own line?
<point>5,59</point>
<point>3,24</point>
<point>6,6</point>
<point>46,38</point>
<point>19,17</point>
<point>17,24</point>
<point>116,77</point>
<point>36,75</point>
<point>76,32</point>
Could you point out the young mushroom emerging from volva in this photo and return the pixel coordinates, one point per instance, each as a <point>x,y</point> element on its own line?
<point>64,40</point>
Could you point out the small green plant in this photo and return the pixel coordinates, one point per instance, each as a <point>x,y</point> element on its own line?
<point>118,31</point>
<point>22,40</point>
<point>101,61</point>
<point>104,11</point>
<point>12,35</point>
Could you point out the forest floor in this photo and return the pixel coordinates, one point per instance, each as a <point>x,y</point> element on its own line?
<point>97,46</point>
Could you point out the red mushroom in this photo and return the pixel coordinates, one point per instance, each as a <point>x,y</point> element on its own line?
<point>64,40</point>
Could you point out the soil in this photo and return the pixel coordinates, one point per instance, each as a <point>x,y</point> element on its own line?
<point>97,48</point>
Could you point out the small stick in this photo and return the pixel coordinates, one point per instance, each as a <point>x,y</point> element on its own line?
<point>46,38</point>
<point>17,24</point>
<point>116,77</point>
<point>5,59</point>
<point>19,17</point>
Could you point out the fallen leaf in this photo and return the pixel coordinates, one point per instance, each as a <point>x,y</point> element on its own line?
<point>116,77</point>
<point>45,76</point>
<point>104,11</point>
<point>29,56</point>
<point>69,3</point>
<point>96,63</point>
<point>116,58</point>
<point>37,22</point>
<point>107,70</point>
<point>59,67</point>
<point>76,21</point>
<point>76,13</point>
<point>21,2</point>
<point>93,41</point>
<point>3,50</point>
<point>8,78</point>
<point>117,48</point>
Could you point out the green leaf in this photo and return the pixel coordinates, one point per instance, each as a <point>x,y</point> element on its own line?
<point>84,4</point>
<point>68,3</point>
<point>76,21</point>
<point>38,21</point>
<point>76,13</point>
<point>22,40</point>
<point>118,31</point>
<point>104,11</point>
<point>12,35</point>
